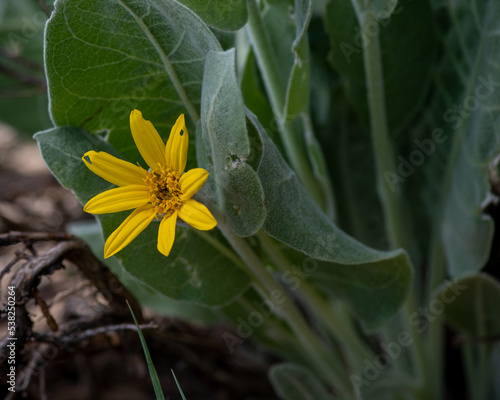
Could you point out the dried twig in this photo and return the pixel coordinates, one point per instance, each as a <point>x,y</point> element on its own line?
<point>28,277</point>
<point>89,333</point>
<point>76,251</point>
<point>11,238</point>
<point>51,322</point>
<point>19,256</point>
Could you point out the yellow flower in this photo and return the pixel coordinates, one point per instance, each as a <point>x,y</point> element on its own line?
<point>163,192</point>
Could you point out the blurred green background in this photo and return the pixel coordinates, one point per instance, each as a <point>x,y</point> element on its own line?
<point>23,92</point>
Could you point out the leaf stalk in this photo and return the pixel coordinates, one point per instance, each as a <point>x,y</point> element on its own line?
<point>276,90</point>
<point>384,161</point>
<point>327,366</point>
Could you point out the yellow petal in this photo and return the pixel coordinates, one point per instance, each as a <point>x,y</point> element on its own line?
<point>114,170</point>
<point>191,182</point>
<point>128,230</point>
<point>177,146</point>
<point>118,199</point>
<point>197,215</point>
<point>147,140</point>
<point>166,234</point>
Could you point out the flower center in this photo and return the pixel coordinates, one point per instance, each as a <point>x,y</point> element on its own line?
<point>164,190</point>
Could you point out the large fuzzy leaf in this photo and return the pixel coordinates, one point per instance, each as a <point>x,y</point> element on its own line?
<point>294,218</point>
<point>374,283</point>
<point>226,15</point>
<point>104,58</point>
<point>225,135</point>
<point>471,305</point>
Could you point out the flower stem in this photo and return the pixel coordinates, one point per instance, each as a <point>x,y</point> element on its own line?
<point>328,367</point>
<point>384,160</point>
<point>435,337</point>
<point>473,372</point>
<point>354,346</point>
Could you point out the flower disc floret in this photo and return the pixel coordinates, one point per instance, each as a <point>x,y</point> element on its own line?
<point>164,191</point>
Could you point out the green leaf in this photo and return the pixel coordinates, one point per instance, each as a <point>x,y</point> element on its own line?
<point>225,15</point>
<point>384,8</point>
<point>407,42</point>
<point>294,218</point>
<point>293,382</point>
<point>280,27</point>
<point>297,96</point>
<point>253,93</point>
<point>152,371</point>
<point>225,135</point>
<point>471,305</point>
<point>373,291</point>
<point>375,283</point>
<point>467,232</point>
<point>349,150</point>
<point>208,276</point>
<point>474,130</point>
<point>106,57</point>
<point>352,169</point>
<point>256,319</point>
<point>62,150</point>
<point>178,386</point>
<point>385,385</point>
<point>286,27</point>
<point>91,233</point>
<point>457,138</point>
